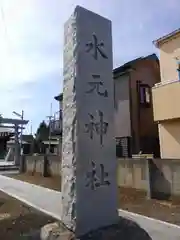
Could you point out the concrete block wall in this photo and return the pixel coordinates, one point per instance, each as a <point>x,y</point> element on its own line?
<point>166,172</point>
<point>176,180</point>
<point>54,164</point>
<point>132,173</point>
<point>171,171</point>
<point>159,176</point>
<point>34,163</point>
<point>43,164</point>
<point>156,177</point>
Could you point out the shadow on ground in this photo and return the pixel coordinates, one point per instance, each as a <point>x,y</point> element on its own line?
<point>125,229</point>
<point>18,221</point>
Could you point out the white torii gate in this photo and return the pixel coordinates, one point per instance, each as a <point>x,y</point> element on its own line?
<point>17,124</point>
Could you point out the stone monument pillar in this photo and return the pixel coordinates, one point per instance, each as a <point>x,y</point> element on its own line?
<point>89,185</point>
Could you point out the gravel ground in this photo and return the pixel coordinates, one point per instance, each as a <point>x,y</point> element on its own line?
<point>135,201</point>
<point>18,221</point>
<point>49,182</point>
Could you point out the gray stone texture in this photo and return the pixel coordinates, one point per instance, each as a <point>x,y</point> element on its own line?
<point>89,184</point>
<point>124,229</point>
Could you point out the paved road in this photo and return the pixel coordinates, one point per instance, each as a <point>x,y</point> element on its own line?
<point>48,201</point>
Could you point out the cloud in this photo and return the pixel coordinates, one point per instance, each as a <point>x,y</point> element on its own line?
<point>24,43</point>
<point>31,44</point>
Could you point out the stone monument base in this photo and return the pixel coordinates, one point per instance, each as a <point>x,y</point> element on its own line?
<point>124,229</point>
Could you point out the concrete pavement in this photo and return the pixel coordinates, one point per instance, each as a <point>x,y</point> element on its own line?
<point>156,229</point>
<point>49,202</point>
<point>43,199</point>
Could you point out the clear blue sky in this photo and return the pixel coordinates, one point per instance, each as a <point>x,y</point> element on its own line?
<point>31,45</point>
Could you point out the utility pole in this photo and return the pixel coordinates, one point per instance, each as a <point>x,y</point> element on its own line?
<point>22,118</point>
<point>31,129</point>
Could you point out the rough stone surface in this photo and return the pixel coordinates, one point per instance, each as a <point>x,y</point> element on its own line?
<point>55,231</point>
<point>125,229</point>
<point>48,229</point>
<point>89,188</point>
<point>69,164</point>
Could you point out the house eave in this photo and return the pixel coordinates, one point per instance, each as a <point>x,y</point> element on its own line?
<point>166,37</point>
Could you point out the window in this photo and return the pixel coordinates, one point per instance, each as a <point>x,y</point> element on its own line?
<point>178,69</point>
<point>145,94</point>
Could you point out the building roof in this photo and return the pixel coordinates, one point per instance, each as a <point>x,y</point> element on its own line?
<point>129,65</point>
<point>164,38</point>
<point>27,138</point>
<point>4,129</point>
<point>13,121</point>
<point>52,142</point>
<point>12,141</point>
<point>6,132</point>
<point>123,68</point>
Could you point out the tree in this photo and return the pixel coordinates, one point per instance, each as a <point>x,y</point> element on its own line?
<point>35,146</point>
<point>1,118</point>
<point>42,134</point>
